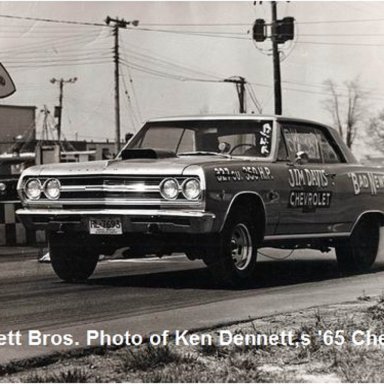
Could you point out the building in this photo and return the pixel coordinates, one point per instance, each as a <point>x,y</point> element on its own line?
<point>17,123</point>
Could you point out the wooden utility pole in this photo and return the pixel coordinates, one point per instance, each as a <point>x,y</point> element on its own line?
<point>276,61</point>
<point>281,31</point>
<point>59,109</point>
<point>118,23</point>
<point>116,60</point>
<point>240,88</point>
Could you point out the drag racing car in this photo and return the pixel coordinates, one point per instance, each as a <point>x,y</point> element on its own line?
<point>214,187</point>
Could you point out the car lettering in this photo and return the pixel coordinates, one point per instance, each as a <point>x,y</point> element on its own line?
<point>305,199</point>
<point>248,173</point>
<point>373,182</point>
<point>307,178</point>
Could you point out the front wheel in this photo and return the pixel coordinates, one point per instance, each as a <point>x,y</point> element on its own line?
<point>232,260</point>
<point>358,253</point>
<point>71,262</point>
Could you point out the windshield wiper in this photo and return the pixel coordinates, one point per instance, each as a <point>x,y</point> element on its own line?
<point>204,153</point>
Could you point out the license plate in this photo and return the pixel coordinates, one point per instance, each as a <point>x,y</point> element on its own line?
<point>107,226</point>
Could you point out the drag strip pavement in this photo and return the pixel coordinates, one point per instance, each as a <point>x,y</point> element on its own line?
<point>151,295</point>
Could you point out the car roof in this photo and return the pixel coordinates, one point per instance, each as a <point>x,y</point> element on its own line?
<point>347,153</point>
<point>234,117</point>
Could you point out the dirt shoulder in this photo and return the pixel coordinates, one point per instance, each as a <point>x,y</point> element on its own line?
<point>338,343</point>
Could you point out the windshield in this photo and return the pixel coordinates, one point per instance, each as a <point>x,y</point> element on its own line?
<point>235,137</point>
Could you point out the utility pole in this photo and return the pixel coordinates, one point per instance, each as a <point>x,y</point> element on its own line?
<point>118,23</point>
<point>276,61</point>
<point>240,89</point>
<point>59,109</point>
<point>44,134</point>
<point>280,32</point>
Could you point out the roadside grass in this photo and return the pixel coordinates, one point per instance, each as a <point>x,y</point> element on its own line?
<point>242,363</point>
<point>75,375</point>
<point>150,357</point>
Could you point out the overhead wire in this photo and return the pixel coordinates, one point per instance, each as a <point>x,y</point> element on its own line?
<point>134,94</point>
<point>48,20</point>
<point>346,44</point>
<point>132,116</point>
<point>20,66</point>
<point>160,60</point>
<point>189,33</point>
<point>253,97</point>
<point>58,43</point>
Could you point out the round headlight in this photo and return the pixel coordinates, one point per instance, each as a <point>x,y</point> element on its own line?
<point>3,187</point>
<point>192,189</point>
<point>52,189</point>
<point>169,189</point>
<point>32,189</point>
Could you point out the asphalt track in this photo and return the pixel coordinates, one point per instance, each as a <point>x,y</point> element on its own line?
<point>150,295</point>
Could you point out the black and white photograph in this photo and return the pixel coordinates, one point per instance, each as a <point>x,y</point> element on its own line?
<point>191,191</point>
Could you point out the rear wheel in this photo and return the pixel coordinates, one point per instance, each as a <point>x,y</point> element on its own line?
<point>71,262</point>
<point>358,253</point>
<point>232,260</point>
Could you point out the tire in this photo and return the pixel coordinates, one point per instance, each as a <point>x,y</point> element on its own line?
<point>358,253</point>
<point>232,259</point>
<point>71,262</point>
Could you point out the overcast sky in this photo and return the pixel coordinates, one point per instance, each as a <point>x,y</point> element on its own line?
<point>174,62</point>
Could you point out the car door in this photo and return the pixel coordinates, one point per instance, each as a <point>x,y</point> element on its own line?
<point>312,206</point>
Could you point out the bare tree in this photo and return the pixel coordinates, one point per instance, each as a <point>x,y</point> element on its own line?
<point>346,105</point>
<point>375,136</point>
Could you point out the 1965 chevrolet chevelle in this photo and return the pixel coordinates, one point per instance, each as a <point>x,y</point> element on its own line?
<point>216,188</point>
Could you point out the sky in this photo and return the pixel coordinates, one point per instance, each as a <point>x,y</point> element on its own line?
<point>174,62</point>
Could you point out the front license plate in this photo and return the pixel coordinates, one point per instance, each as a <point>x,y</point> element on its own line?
<point>107,226</point>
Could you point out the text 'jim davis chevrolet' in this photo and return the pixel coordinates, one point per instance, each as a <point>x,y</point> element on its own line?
<point>216,188</point>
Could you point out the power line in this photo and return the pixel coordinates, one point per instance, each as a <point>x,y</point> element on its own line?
<point>341,21</point>
<point>17,66</point>
<point>59,43</point>
<point>82,23</point>
<point>195,24</point>
<point>340,44</point>
<point>342,34</point>
<point>47,20</point>
<point>191,33</point>
<point>165,64</point>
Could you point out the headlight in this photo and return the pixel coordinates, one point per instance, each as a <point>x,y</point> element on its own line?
<point>3,187</point>
<point>191,189</point>
<point>52,189</point>
<point>169,189</point>
<point>32,189</point>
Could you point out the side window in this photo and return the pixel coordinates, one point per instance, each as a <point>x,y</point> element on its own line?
<point>330,156</point>
<point>311,140</point>
<point>304,139</point>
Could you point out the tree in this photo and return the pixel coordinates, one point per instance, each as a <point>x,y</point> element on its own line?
<point>375,132</point>
<point>346,107</point>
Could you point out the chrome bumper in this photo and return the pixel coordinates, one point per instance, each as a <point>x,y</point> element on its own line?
<point>142,221</point>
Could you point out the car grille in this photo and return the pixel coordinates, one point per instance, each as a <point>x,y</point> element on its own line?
<point>113,191</point>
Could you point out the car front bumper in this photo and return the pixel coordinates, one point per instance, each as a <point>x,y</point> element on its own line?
<point>133,221</point>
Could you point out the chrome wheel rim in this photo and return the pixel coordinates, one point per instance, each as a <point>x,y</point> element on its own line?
<point>241,247</point>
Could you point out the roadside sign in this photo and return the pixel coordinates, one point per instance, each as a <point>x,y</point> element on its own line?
<point>7,87</point>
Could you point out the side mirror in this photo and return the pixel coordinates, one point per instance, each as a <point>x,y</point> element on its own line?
<point>301,158</point>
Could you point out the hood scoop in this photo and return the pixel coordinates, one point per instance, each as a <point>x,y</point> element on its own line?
<point>144,153</point>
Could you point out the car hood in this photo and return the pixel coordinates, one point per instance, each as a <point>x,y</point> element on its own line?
<point>167,166</point>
